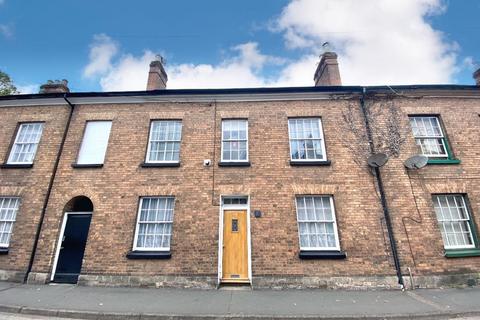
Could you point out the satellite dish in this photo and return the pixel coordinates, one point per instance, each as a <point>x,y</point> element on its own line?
<point>416,162</point>
<point>377,160</point>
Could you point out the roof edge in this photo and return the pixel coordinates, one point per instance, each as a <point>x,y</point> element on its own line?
<point>261,90</point>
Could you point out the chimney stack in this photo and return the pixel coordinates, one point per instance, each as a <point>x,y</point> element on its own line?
<point>327,73</point>
<point>157,77</point>
<point>476,76</point>
<point>55,86</point>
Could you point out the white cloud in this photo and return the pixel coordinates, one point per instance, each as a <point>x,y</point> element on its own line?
<point>102,50</point>
<point>29,88</point>
<point>242,70</point>
<point>129,72</point>
<point>5,30</point>
<point>469,63</point>
<point>378,41</point>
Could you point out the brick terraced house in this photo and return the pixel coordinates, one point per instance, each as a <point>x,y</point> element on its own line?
<point>260,186</point>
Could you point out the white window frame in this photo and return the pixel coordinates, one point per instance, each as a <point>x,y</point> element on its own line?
<point>335,229</point>
<point>7,245</point>
<point>9,161</point>
<point>441,137</point>
<point>469,222</point>
<point>246,135</point>
<point>149,145</point>
<point>137,225</point>
<point>322,140</point>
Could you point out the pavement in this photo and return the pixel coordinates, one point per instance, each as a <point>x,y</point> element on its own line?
<point>80,302</point>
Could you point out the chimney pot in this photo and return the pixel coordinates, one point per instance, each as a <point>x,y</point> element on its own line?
<point>327,73</point>
<point>157,77</point>
<point>476,76</point>
<point>56,86</point>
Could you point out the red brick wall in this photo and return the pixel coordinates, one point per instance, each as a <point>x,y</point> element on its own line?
<point>270,181</point>
<point>28,184</point>
<point>461,121</point>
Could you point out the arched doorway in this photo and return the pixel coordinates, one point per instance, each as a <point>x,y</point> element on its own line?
<point>72,240</point>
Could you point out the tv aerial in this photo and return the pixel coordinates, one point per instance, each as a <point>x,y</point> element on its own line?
<point>377,160</point>
<point>416,162</point>
<point>160,58</point>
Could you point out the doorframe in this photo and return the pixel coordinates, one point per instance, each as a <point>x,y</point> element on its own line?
<point>59,240</point>
<point>223,207</point>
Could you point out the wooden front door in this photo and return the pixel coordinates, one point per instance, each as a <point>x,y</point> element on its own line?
<point>235,249</point>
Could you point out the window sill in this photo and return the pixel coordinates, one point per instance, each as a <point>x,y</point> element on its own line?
<point>85,166</point>
<point>443,161</point>
<point>322,255</point>
<point>234,164</point>
<point>149,255</point>
<point>16,166</point>
<point>160,165</point>
<point>3,251</point>
<point>310,163</point>
<point>462,253</point>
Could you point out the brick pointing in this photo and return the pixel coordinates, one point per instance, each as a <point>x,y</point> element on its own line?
<point>271,183</point>
<point>28,184</point>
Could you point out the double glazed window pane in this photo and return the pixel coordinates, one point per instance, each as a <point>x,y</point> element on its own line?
<point>234,140</point>
<point>429,136</point>
<point>454,221</point>
<point>95,142</point>
<point>155,223</point>
<point>8,214</point>
<point>306,140</point>
<point>316,223</point>
<point>165,138</point>
<point>26,142</point>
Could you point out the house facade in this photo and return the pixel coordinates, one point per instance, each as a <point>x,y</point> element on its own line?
<point>197,188</point>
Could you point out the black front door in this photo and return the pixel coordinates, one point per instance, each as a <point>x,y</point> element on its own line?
<point>72,248</point>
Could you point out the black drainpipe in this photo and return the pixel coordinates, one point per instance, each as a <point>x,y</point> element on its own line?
<point>49,190</point>
<point>383,198</point>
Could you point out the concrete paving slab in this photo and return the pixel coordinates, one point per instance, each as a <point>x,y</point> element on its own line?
<point>311,302</point>
<point>136,303</point>
<point>454,299</point>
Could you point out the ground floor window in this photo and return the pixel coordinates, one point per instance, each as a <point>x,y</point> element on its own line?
<point>455,221</point>
<point>317,226</point>
<point>8,214</point>
<point>154,223</point>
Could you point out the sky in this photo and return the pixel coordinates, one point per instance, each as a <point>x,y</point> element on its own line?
<point>107,45</point>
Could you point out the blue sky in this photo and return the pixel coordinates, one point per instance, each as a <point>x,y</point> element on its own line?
<point>106,45</point>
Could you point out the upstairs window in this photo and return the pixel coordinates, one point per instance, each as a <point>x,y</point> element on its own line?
<point>154,224</point>
<point>26,142</point>
<point>235,140</point>
<point>429,136</point>
<point>317,226</point>
<point>8,214</point>
<point>306,139</point>
<point>164,141</point>
<point>455,221</point>
<point>94,143</point>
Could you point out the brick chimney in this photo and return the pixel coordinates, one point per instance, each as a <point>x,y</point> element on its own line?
<point>55,86</point>
<point>327,73</point>
<point>157,77</point>
<point>476,76</point>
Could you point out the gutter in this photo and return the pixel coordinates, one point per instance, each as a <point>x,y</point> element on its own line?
<point>49,190</point>
<point>381,189</point>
